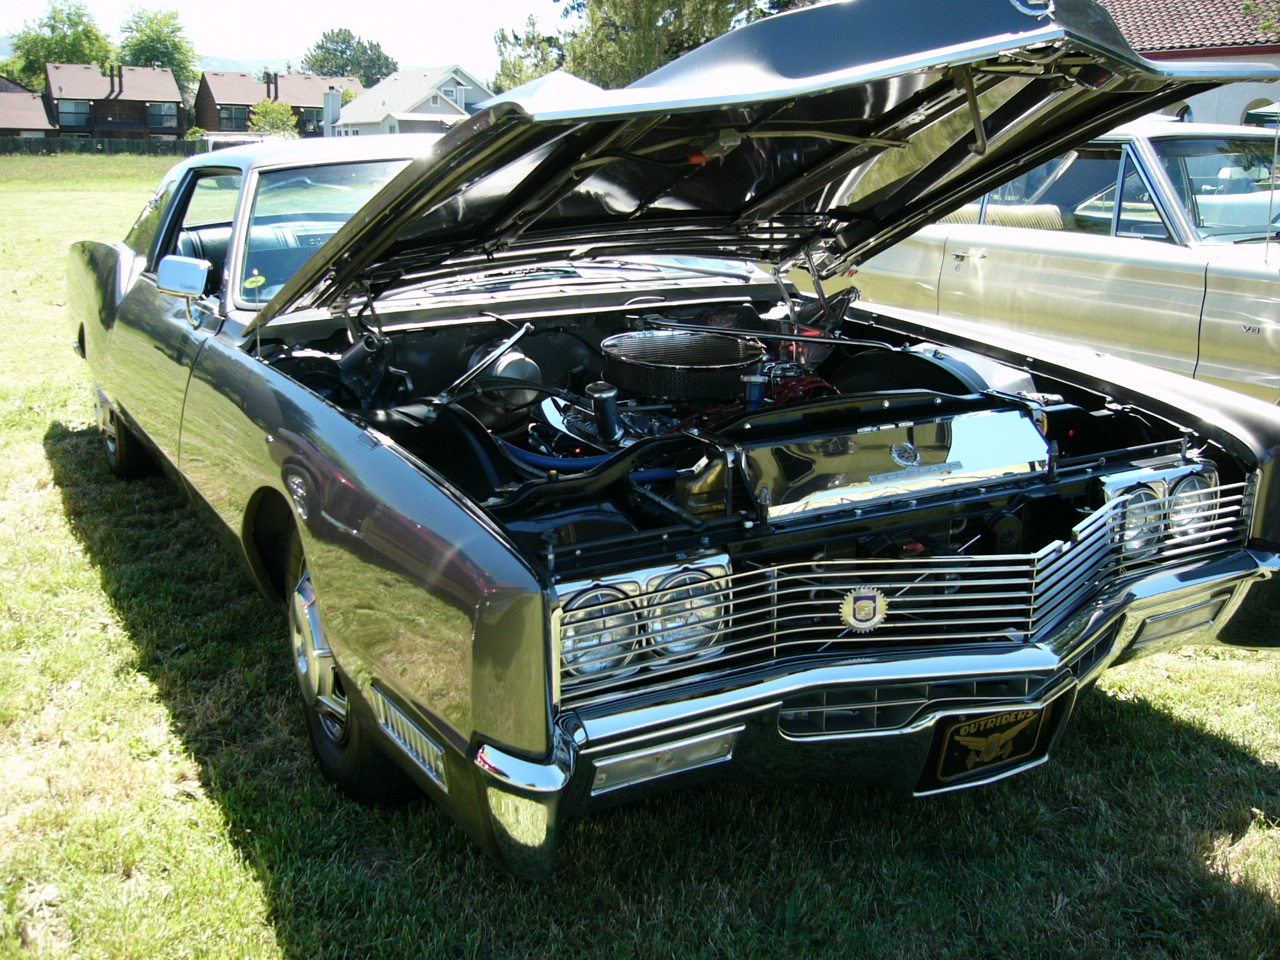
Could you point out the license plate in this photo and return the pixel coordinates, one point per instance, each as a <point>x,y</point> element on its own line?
<point>979,742</point>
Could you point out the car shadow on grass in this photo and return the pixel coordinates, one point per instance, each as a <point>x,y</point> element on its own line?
<point>1135,841</point>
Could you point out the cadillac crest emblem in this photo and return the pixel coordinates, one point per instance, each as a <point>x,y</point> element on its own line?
<point>863,609</point>
<point>906,454</point>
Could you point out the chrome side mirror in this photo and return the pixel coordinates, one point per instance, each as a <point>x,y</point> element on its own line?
<point>185,277</point>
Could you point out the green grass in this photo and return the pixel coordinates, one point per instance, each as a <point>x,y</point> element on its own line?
<point>85,169</point>
<point>157,798</point>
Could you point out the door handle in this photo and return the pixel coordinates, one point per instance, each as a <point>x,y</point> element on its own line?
<point>968,255</point>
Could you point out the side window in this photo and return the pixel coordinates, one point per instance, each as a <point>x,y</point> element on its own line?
<point>142,234</point>
<point>1139,216</point>
<point>1066,194</point>
<point>201,228</point>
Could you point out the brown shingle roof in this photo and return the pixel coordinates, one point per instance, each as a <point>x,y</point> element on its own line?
<point>298,89</point>
<point>23,111</point>
<point>83,81</point>
<point>234,88</point>
<point>308,90</point>
<point>1151,25</point>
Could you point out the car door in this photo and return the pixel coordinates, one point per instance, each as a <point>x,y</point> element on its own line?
<point>906,275</point>
<point>156,336</point>
<point>1056,255</point>
<point>1240,339</point>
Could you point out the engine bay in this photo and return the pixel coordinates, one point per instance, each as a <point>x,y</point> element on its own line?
<point>734,420</point>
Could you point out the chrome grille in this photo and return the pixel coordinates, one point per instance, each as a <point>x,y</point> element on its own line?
<point>793,611</point>
<point>869,709</point>
<point>876,707</point>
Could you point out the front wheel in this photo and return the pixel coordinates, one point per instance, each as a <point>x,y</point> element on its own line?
<point>339,728</point>
<point>127,458</point>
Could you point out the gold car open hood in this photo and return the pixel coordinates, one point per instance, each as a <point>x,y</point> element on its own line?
<point>824,134</point>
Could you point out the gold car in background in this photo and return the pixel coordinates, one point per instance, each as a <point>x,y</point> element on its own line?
<point>1155,242</point>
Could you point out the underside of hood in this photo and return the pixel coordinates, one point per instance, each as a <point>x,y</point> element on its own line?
<point>822,135</point>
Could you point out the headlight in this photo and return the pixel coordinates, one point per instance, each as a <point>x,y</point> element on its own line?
<point>1192,505</point>
<point>687,615</point>
<point>595,641</point>
<point>1143,519</point>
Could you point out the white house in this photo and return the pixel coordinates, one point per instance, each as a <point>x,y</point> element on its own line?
<point>430,100</point>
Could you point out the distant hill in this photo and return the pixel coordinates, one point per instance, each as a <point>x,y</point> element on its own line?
<point>228,65</point>
<point>223,64</point>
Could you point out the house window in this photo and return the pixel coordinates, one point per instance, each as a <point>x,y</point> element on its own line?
<point>435,100</point>
<point>73,113</point>
<point>162,114</point>
<point>312,121</point>
<point>233,117</point>
<point>451,93</point>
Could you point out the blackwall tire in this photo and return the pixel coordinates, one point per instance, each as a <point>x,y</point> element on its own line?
<point>127,458</point>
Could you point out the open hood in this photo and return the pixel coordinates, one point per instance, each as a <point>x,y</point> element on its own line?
<point>821,135</point>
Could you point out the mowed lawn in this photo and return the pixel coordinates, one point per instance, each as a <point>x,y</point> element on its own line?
<point>157,797</point>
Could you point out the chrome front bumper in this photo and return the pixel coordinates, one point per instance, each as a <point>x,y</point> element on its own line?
<point>740,733</point>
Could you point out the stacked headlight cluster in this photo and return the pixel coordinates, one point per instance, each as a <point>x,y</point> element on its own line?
<point>616,626</point>
<point>1164,507</point>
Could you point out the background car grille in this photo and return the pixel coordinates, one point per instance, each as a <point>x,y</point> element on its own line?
<point>792,611</point>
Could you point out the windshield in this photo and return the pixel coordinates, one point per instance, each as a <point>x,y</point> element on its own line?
<point>295,212</point>
<point>1225,184</point>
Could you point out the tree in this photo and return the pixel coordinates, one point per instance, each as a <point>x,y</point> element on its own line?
<point>614,42</point>
<point>273,118</point>
<point>66,33</point>
<point>622,40</point>
<point>526,57</point>
<point>155,38</point>
<point>1266,13</point>
<point>340,53</point>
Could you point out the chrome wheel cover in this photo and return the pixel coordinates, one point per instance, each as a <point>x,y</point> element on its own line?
<point>110,435</point>
<point>313,662</point>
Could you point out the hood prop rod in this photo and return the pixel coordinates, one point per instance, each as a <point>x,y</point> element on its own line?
<point>965,75</point>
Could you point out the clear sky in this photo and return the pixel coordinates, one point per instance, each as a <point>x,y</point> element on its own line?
<point>417,34</point>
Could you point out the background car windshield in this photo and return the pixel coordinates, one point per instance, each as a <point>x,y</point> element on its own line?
<point>1225,183</point>
<point>295,212</point>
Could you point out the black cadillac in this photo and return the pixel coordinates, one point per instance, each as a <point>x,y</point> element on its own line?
<point>573,485</point>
